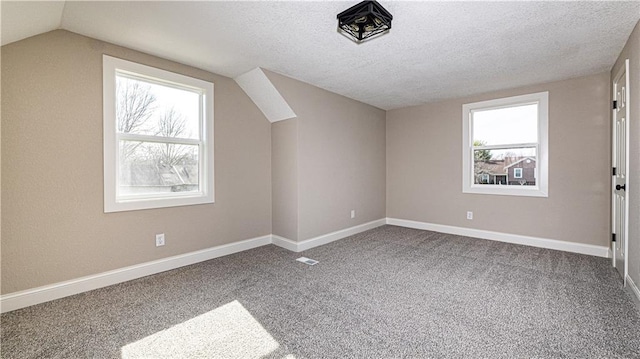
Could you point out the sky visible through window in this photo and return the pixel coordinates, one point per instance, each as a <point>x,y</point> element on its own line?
<point>165,111</point>
<point>504,126</point>
<point>184,103</point>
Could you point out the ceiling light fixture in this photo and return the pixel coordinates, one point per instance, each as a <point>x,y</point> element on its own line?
<point>365,20</point>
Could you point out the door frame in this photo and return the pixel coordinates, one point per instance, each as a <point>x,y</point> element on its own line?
<point>627,97</point>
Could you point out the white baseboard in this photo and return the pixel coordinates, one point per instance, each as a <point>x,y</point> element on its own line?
<point>25,298</point>
<point>326,238</point>
<point>633,287</point>
<point>285,243</point>
<point>589,249</point>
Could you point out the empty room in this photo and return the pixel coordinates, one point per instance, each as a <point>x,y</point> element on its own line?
<point>320,179</point>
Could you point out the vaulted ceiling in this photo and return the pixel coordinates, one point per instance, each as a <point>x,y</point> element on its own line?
<point>435,50</point>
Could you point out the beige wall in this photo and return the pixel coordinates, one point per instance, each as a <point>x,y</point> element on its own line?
<point>284,178</point>
<point>631,51</point>
<point>341,158</point>
<point>301,176</point>
<point>0,166</point>
<point>424,168</point>
<point>53,225</point>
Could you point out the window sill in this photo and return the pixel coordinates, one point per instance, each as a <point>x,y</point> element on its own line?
<point>530,191</point>
<point>153,203</point>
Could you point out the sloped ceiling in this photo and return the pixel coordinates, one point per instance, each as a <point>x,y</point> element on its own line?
<point>265,95</point>
<point>22,19</point>
<point>435,50</point>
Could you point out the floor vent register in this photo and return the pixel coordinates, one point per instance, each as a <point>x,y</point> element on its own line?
<point>308,261</point>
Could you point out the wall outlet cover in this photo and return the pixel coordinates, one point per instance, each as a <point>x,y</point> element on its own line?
<point>159,239</point>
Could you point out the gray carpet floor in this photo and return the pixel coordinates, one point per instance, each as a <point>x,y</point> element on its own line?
<point>386,293</point>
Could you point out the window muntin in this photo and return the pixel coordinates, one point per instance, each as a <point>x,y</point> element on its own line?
<point>503,134</point>
<point>158,143</point>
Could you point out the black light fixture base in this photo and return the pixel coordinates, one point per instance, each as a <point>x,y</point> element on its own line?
<point>365,20</point>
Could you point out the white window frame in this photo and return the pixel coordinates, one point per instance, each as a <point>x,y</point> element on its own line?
<point>541,189</point>
<point>514,172</point>
<point>113,201</point>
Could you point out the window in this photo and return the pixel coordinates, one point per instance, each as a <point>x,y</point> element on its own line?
<point>517,172</point>
<point>158,138</point>
<point>507,139</point>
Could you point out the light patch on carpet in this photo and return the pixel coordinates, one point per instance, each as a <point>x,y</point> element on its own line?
<point>227,331</point>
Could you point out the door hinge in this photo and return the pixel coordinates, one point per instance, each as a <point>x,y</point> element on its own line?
<point>614,171</point>
<point>613,237</point>
<point>615,105</point>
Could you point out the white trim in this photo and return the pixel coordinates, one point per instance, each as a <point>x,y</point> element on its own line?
<point>589,249</point>
<point>112,66</point>
<point>514,172</point>
<point>633,286</point>
<point>626,166</point>
<point>285,243</point>
<point>25,298</point>
<point>541,189</point>
<point>334,236</point>
<point>615,160</point>
<point>326,238</point>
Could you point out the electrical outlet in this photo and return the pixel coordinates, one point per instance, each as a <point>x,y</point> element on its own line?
<point>159,239</point>
<point>469,215</point>
<point>353,213</point>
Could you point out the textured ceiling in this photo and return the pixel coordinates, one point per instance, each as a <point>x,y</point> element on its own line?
<point>435,50</point>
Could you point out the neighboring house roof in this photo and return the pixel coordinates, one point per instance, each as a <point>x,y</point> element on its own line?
<point>500,167</point>
<point>520,160</point>
<point>492,167</point>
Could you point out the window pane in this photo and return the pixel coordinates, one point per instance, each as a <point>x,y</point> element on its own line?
<point>511,125</point>
<point>152,168</point>
<point>147,108</point>
<point>507,167</point>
